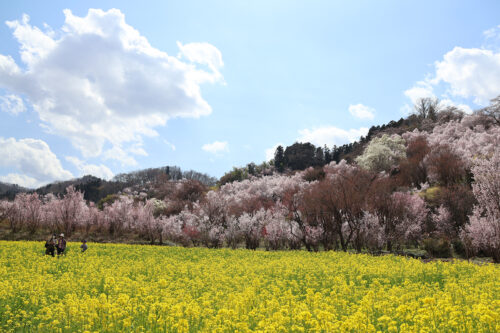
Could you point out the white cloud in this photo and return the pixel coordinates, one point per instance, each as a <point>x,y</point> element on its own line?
<point>467,74</point>
<point>470,73</point>
<point>36,163</point>
<point>270,151</point>
<point>421,89</point>
<point>100,171</point>
<point>330,135</point>
<point>205,54</point>
<point>448,102</point>
<point>21,180</point>
<point>362,111</point>
<point>12,104</point>
<point>97,81</point>
<point>216,147</point>
<point>117,153</point>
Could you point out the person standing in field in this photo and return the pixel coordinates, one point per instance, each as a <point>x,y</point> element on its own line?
<point>61,245</point>
<point>84,246</point>
<point>50,245</point>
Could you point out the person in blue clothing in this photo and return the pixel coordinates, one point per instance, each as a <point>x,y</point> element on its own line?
<point>84,246</point>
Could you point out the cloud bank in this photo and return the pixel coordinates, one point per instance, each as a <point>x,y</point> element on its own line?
<point>100,171</point>
<point>36,163</point>
<point>99,83</point>
<point>464,73</point>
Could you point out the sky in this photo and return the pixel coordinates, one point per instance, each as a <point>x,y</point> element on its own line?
<point>105,87</point>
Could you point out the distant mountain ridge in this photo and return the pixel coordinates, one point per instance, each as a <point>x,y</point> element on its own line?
<point>95,188</point>
<point>9,191</point>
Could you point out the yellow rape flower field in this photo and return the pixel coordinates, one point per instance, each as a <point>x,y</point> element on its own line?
<point>131,288</point>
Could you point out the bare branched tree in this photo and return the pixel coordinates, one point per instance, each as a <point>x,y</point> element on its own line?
<point>493,110</point>
<point>427,108</point>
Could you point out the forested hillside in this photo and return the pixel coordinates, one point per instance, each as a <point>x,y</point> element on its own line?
<point>95,189</point>
<point>429,182</point>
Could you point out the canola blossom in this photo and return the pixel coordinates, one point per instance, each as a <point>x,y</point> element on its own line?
<point>132,288</point>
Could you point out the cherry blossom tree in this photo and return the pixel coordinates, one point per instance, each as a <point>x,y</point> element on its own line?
<point>68,212</point>
<point>371,233</point>
<point>144,221</point>
<point>443,221</point>
<point>13,213</point>
<point>483,232</point>
<point>92,219</point>
<point>382,153</point>
<point>401,214</point>
<point>31,211</point>
<point>278,232</point>
<point>251,226</point>
<point>118,216</point>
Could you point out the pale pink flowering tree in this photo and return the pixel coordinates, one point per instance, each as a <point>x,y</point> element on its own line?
<point>5,207</point>
<point>371,233</point>
<point>483,232</point>
<point>412,215</point>
<point>443,222</point>
<point>278,232</point>
<point>468,138</point>
<point>68,212</point>
<point>144,221</point>
<point>233,234</point>
<point>93,218</point>
<point>251,226</point>
<point>182,228</point>
<point>212,219</point>
<point>31,210</point>
<point>11,211</point>
<point>118,216</point>
<point>400,214</point>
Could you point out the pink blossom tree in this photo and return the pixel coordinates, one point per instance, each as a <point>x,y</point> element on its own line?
<point>443,221</point>
<point>277,233</point>
<point>93,218</point>
<point>31,211</point>
<point>12,212</point>
<point>118,216</point>
<point>69,211</point>
<point>483,232</point>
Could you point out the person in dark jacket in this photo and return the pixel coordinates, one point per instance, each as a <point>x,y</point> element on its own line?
<point>50,245</point>
<point>84,246</point>
<point>61,245</point>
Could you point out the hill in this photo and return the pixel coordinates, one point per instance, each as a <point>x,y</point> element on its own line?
<point>95,188</point>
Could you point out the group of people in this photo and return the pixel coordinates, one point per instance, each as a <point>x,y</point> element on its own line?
<point>58,244</point>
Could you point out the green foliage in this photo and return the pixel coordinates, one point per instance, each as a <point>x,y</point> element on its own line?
<point>279,159</point>
<point>300,156</point>
<point>431,194</point>
<point>108,200</point>
<point>235,175</point>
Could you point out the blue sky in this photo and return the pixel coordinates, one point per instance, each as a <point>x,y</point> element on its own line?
<point>207,85</point>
